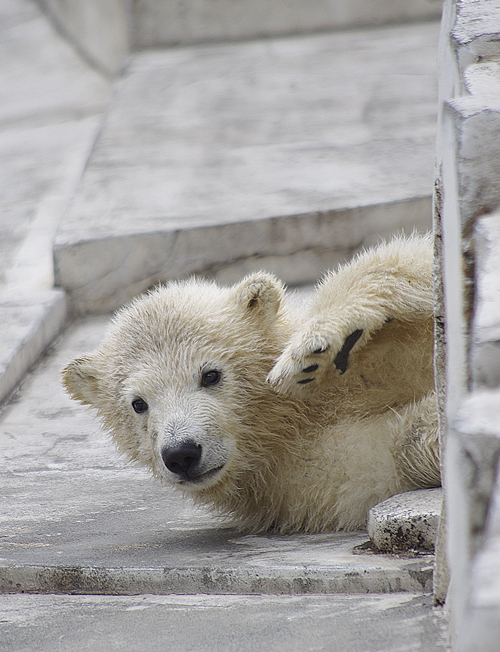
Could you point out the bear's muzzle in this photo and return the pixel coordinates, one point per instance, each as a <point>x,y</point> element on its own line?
<point>183,460</point>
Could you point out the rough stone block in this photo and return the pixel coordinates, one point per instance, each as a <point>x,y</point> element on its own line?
<point>407,521</point>
<point>474,143</point>
<point>468,166</point>
<point>474,33</point>
<point>472,465</point>
<point>480,628</point>
<point>472,456</point>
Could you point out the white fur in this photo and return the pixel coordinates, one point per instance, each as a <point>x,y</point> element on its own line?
<point>275,452</point>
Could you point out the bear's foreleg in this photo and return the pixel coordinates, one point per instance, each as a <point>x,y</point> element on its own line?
<point>391,282</point>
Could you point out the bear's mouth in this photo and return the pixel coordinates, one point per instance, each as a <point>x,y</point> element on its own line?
<point>202,478</point>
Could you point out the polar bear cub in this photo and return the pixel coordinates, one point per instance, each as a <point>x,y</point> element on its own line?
<point>285,419</point>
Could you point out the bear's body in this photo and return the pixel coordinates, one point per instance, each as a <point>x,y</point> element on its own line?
<point>286,420</point>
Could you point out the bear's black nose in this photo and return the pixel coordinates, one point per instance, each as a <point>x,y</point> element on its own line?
<point>182,458</point>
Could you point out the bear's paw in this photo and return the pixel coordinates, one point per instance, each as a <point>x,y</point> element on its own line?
<point>311,355</point>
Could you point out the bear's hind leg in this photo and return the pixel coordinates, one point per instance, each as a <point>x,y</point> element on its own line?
<point>416,445</point>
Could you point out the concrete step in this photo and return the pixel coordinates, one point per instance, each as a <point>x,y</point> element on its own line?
<point>77,519</point>
<point>287,154</point>
<point>218,623</point>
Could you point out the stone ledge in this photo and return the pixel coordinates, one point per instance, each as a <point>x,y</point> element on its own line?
<point>155,22</point>
<point>361,574</point>
<point>101,274</point>
<point>104,31</point>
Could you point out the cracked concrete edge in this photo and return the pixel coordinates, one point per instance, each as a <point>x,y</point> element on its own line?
<point>414,577</point>
<point>30,324</point>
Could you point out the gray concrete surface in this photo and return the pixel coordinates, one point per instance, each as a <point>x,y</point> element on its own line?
<point>388,623</point>
<point>287,154</point>
<point>99,29</point>
<point>50,109</point>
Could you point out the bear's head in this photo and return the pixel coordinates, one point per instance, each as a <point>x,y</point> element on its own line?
<point>180,379</point>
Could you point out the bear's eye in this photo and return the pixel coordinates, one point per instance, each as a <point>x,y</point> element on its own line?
<point>210,377</point>
<point>139,405</point>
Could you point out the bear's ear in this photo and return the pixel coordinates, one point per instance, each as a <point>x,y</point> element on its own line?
<point>80,378</point>
<point>260,294</point>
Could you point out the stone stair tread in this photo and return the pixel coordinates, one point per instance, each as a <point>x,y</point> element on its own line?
<point>306,128</point>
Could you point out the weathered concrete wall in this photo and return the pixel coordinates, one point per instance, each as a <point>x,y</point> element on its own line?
<point>468,312</point>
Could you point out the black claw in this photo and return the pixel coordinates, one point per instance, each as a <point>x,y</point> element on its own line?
<point>321,350</point>
<point>305,381</point>
<point>341,359</point>
<point>310,369</point>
